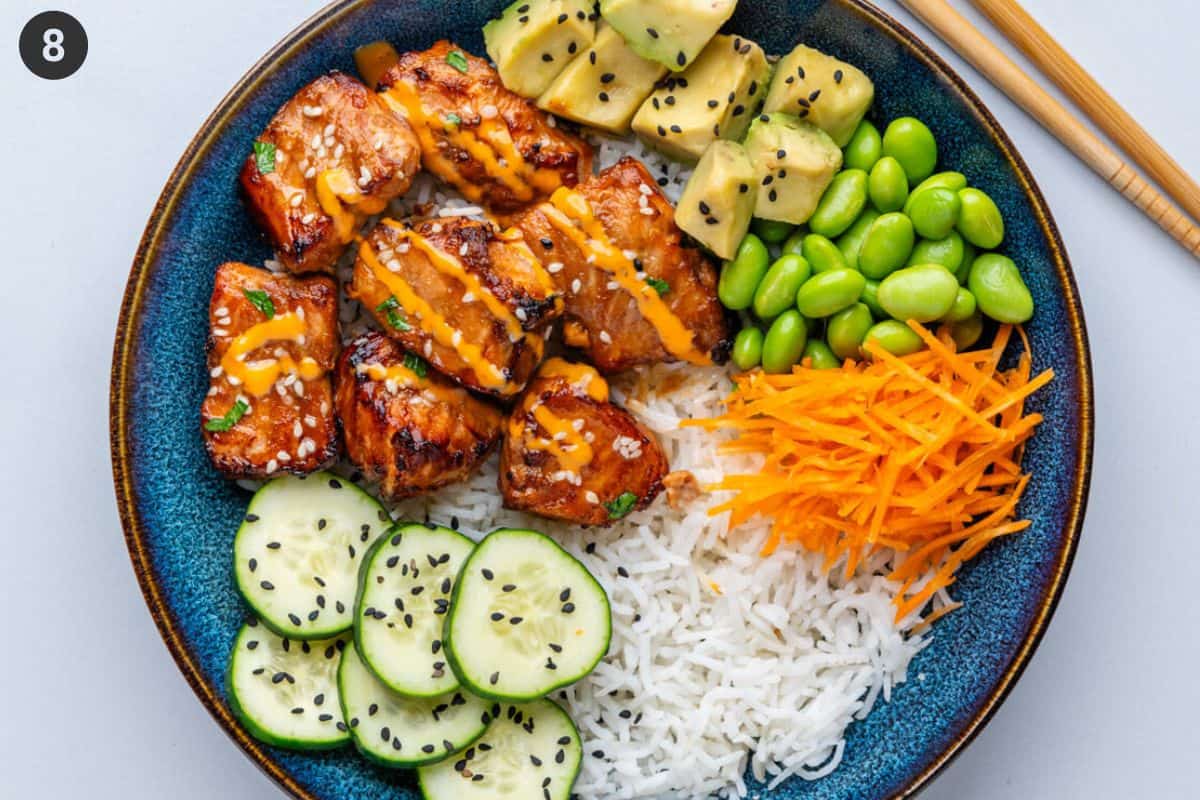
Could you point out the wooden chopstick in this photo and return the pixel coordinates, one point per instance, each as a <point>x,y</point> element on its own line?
<point>1090,97</point>
<point>998,68</point>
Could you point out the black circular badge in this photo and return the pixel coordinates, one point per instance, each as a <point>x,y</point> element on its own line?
<point>53,45</point>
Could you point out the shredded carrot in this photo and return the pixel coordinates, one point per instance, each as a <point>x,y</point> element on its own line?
<point>920,454</point>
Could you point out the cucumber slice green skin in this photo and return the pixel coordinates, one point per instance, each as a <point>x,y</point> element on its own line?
<point>380,719</point>
<point>462,640</point>
<point>294,601</point>
<point>252,650</point>
<point>553,741</point>
<point>401,638</point>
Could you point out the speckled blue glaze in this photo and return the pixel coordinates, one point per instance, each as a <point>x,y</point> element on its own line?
<point>180,516</point>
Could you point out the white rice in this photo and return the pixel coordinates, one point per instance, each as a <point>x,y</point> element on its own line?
<point>721,660</point>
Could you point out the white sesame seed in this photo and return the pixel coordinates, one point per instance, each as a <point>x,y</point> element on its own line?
<point>554,267</point>
<point>403,247</point>
<point>592,497</point>
<point>558,437</point>
<point>329,129</point>
<point>521,314</point>
<point>591,259</point>
<point>577,424</point>
<point>310,421</point>
<point>310,173</point>
<point>284,456</point>
<point>300,312</point>
<point>339,151</point>
<point>222,312</point>
<point>645,190</point>
<point>272,466</point>
<point>308,218</point>
<point>378,144</point>
<point>604,337</point>
<point>630,255</point>
<point>212,392</point>
<point>642,201</point>
<point>313,111</point>
<point>234,380</point>
<point>489,111</point>
<point>297,199</point>
<point>576,285</point>
<point>316,142</point>
<point>428,348</point>
<point>220,332</point>
<point>435,227</point>
<point>298,388</point>
<point>394,265</point>
<point>612,286</point>
<point>649,212</point>
<point>462,250</point>
<point>468,297</point>
<point>589,437</point>
<point>550,121</point>
<point>364,176</point>
<point>322,152</point>
<point>324,407</point>
<point>456,339</point>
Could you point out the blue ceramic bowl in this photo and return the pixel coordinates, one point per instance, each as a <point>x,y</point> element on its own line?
<point>180,516</point>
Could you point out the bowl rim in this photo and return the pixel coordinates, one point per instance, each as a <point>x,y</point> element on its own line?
<point>133,302</point>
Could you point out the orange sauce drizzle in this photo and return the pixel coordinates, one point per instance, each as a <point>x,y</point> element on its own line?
<point>259,376</point>
<point>416,308</point>
<point>336,190</point>
<point>397,374</point>
<point>450,265</point>
<point>492,147</point>
<point>563,441</point>
<point>570,212</point>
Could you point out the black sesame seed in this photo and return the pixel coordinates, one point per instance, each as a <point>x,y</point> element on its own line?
<point>537,762</point>
<point>253,564</point>
<point>341,726</point>
<point>321,523</point>
<point>487,574</point>
<point>625,713</point>
<point>800,72</point>
<point>516,620</point>
<point>590,548</point>
<point>568,608</point>
<point>773,196</point>
<point>663,181</point>
<point>477,777</point>
<point>523,19</point>
<point>325,717</point>
<point>608,77</point>
<point>319,581</point>
<point>564,595</point>
<point>676,129</point>
<point>267,586</point>
<point>670,100</point>
<point>838,75</point>
<point>704,209</point>
<point>556,647</point>
<point>653,33</point>
<point>753,88</point>
<point>743,188</point>
<point>393,561</point>
<point>508,587</point>
<point>592,56</point>
<point>334,483</point>
<point>738,110</point>
<point>297,710</point>
<point>571,48</point>
<point>252,518</point>
<point>547,57</point>
<point>550,664</point>
<point>790,79</point>
<point>497,616</point>
<point>408,620</point>
<point>563,18</point>
<point>397,539</point>
<point>812,98</point>
<point>385,733</point>
<point>446,586</point>
<point>745,50</point>
<point>662,131</point>
<point>603,97</point>
<point>559,757</point>
<point>767,181</point>
<point>428,748</point>
<point>523,9</point>
<point>340,606</point>
<point>714,103</point>
<point>416,590</point>
<point>494,679</point>
<point>681,59</point>
<point>312,616</point>
<point>781,154</point>
<point>278,677</point>
<point>598,753</point>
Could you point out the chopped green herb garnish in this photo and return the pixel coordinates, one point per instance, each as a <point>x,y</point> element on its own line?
<point>416,364</point>
<point>660,286</point>
<point>264,157</point>
<point>233,417</point>
<point>622,505</point>
<point>456,59</point>
<point>395,318</point>
<point>453,119</point>
<point>262,301</point>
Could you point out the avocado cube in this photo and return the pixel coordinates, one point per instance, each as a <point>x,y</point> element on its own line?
<point>715,98</point>
<point>795,162</point>
<point>718,201</point>
<point>829,93</point>
<point>533,40</point>
<point>604,85</point>
<point>671,32</point>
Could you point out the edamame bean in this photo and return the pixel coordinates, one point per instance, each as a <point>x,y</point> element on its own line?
<point>795,243</point>
<point>910,142</point>
<point>864,148</point>
<point>870,299</point>
<point>847,329</point>
<point>784,343</point>
<point>822,254</point>
<point>886,246</point>
<point>771,231</point>
<point>851,241</point>
<point>966,332</point>
<point>970,253</point>
<point>894,337</point>
<point>980,222</point>
<point>948,252</point>
<point>777,290</point>
<point>963,308</point>
<point>841,204</point>
<point>740,277</point>
<point>827,293</point>
<point>999,289</point>
<point>887,185</point>
<point>819,355</point>
<point>934,212</point>
<point>747,348</point>
<point>954,181</point>
<point>923,293</point>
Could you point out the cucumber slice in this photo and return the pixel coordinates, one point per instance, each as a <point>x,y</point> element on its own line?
<point>397,731</point>
<point>297,554</point>
<point>526,618</point>
<point>285,692</point>
<point>404,595</point>
<point>531,751</point>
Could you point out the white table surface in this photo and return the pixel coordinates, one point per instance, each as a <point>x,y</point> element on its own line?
<point>93,701</point>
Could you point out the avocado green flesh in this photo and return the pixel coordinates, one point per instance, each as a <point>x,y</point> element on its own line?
<point>716,97</point>
<point>604,85</point>
<point>823,90</point>
<point>718,202</point>
<point>671,32</point>
<point>534,40</point>
<point>795,162</point>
